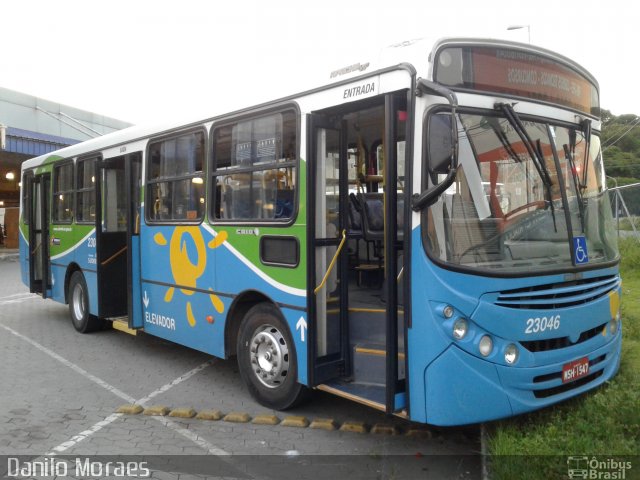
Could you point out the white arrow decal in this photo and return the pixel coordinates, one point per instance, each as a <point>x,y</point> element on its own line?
<point>145,299</point>
<point>302,326</point>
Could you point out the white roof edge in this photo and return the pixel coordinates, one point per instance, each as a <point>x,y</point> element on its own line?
<point>385,58</point>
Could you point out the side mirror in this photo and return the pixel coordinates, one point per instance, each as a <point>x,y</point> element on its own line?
<point>441,144</point>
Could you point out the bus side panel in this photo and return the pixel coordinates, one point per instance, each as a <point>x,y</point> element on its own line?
<point>185,318</point>
<point>74,244</point>
<point>58,273</point>
<point>297,322</point>
<point>174,257</point>
<point>84,255</point>
<point>214,273</point>
<point>237,273</point>
<point>91,277</point>
<point>137,319</point>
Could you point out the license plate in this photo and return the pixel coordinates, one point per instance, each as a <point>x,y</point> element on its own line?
<point>575,370</point>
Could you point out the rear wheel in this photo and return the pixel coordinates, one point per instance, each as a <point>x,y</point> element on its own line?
<point>267,358</point>
<point>78,299</point>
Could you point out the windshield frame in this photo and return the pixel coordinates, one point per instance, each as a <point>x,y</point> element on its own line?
<point>428,180</point>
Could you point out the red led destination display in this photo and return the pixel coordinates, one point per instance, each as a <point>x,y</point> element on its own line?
<point>516,72</point>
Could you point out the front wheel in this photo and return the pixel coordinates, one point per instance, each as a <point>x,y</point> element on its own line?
<point>78,298</point>
<point>267,358</point>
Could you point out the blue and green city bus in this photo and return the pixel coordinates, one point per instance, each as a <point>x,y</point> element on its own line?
<point>429,234</point>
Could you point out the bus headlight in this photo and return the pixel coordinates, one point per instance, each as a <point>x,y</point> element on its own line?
<point>511,354</point>
<point>485,346</point>
<point>460,328</point>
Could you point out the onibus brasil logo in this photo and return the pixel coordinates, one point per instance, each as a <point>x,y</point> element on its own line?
<point>597,468</point>
<point>187,272</point>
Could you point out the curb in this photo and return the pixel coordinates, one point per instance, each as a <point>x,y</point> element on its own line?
<point>294,421</point>
<point>9,257</point>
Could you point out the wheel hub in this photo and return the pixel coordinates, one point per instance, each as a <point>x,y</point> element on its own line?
<point>269,356</point>
<point>78,302</point>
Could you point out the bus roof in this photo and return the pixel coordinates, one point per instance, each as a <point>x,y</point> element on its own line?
<point>418,52</point>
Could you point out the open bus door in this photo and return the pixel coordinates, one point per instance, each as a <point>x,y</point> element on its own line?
<point>117,238</point>
<point>327,267</point>
<point>357,327</point>
<point>38,193</point>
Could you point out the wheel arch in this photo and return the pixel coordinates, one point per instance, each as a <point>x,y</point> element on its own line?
<point>71,268</point>
<point>238,309</point>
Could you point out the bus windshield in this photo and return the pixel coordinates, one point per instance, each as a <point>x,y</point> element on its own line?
<point>529,200</point>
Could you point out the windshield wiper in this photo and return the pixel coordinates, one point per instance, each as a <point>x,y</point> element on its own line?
<point>504,140</point>
<point>534,151</point>
<point>586,130</point>
<point>569,153</point>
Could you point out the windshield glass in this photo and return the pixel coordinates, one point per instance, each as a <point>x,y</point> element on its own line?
<point>501,215</point>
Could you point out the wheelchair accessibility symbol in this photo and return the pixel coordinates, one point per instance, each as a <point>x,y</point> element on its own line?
<point>580,250</point>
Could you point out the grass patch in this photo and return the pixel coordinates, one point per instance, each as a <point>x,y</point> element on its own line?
<point>604,422</point>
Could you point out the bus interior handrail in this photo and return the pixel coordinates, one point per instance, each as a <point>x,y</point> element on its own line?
<point>332,264</point>
<point>114,256</point>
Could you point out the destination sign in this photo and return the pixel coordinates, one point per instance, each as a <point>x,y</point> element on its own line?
<point>516,72</point>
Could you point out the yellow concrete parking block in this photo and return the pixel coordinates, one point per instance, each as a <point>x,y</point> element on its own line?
<point>354,427</point>
<point>131,409</point>
<point>213,415</point>
<point>183,413</point>
<point>328,424</point>
<point>157,410</point>
<point>384,429</point>
<point>265,420</point>
<point>295,421</point>
<point>237,417</point>
<point>419,432</point>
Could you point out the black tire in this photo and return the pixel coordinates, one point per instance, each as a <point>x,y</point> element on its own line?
<point>267,358</point>
<point>78,300</point>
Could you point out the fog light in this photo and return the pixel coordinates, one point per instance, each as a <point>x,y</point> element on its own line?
<point>613,325</point>
<point>511,354</point>
<point>460,327</point>
<point>447,311</point>
<point>485,346</point>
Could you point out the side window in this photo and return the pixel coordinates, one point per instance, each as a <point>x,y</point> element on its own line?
<point>254,168</point>
<point>63,193</point>
<point>175,190</point>
<point>86,191</point>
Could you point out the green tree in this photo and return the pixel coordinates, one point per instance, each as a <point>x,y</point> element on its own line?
<point>621,145</point>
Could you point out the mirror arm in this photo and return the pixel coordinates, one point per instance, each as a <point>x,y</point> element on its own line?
<point>426,198</point>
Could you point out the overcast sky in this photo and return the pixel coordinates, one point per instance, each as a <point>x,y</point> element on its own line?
<point>146,61</point>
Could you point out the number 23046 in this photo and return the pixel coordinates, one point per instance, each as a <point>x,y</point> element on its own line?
<point>542,324</point>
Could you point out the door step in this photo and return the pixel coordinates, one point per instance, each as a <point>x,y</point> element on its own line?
<point>370,395</point>
<point>122,324</point>
<point>369,364</point>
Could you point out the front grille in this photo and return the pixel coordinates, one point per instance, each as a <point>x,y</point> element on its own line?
<point>560,342</point>
<point>554,375</point>
<point>558,295</point>
<point>565,387</point>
